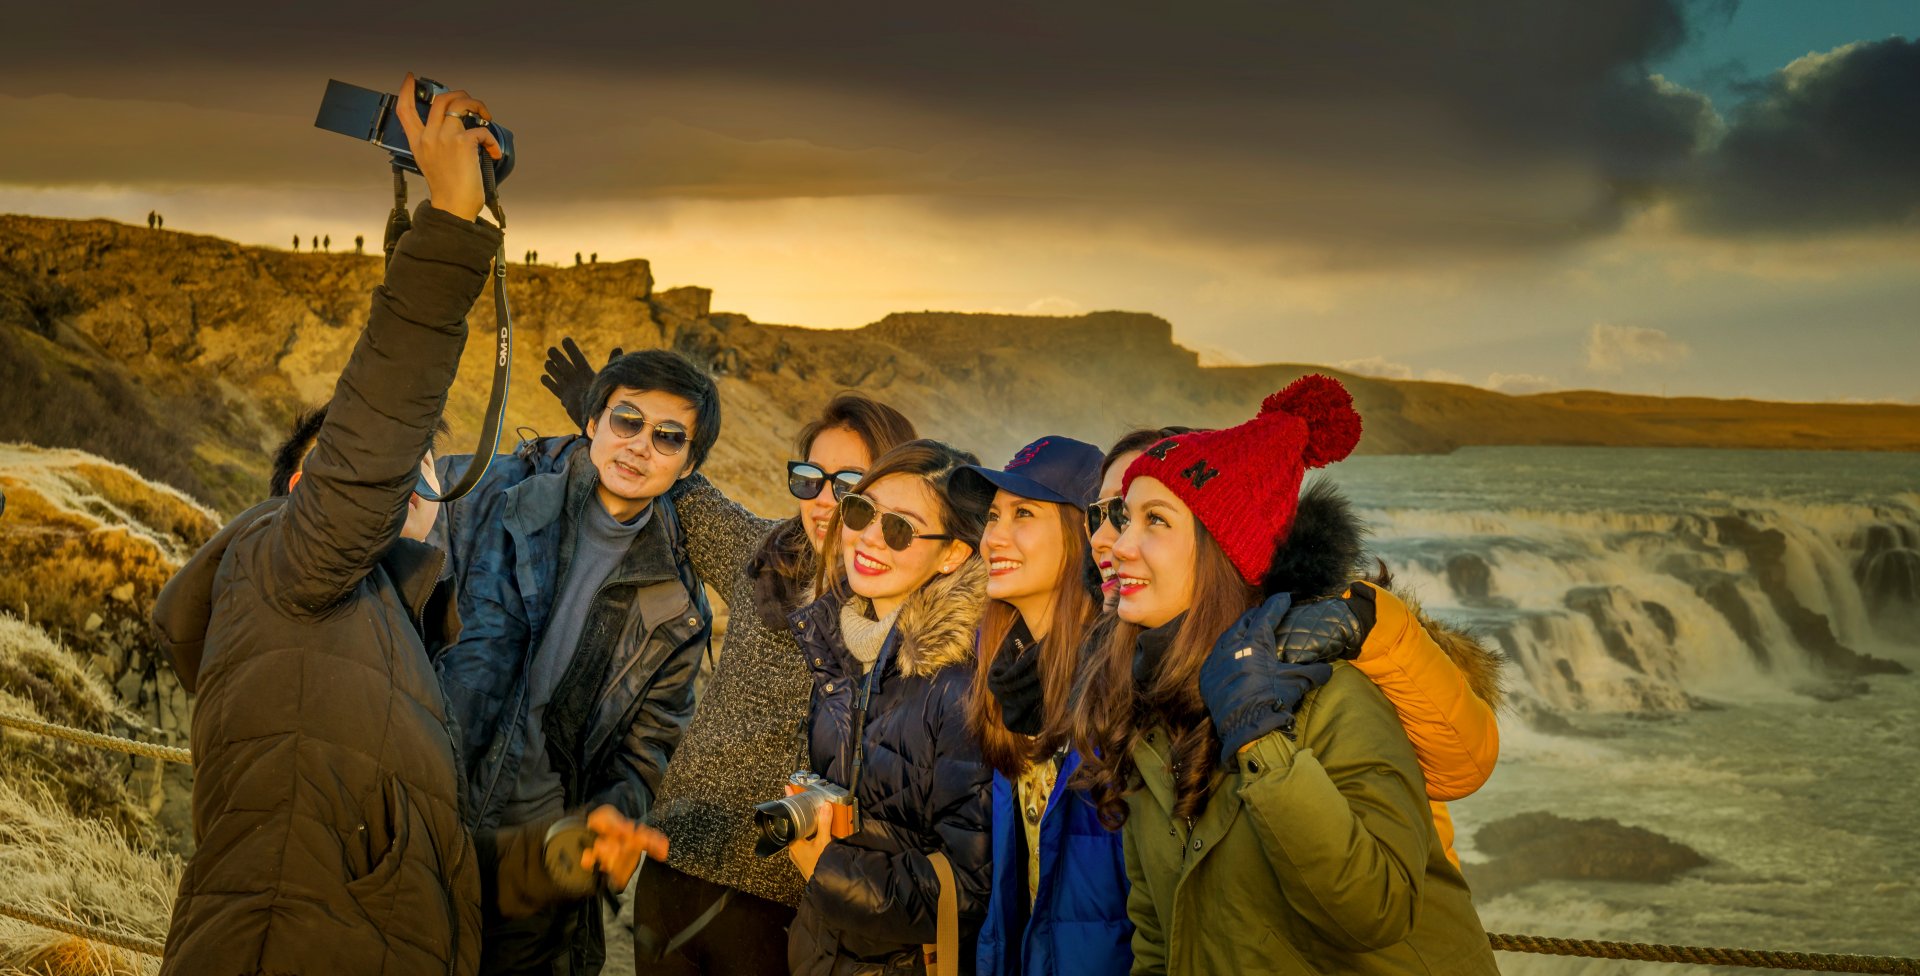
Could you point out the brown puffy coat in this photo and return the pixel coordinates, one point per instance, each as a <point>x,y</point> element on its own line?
<point>325,795</point>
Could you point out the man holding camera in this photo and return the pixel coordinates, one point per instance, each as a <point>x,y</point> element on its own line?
<point>326,794</point>
<point>583,626</point>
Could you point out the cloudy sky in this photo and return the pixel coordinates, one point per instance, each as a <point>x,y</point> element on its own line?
<point>1700,198</point>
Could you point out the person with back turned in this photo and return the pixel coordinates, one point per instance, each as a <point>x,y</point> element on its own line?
<point>326,794</point>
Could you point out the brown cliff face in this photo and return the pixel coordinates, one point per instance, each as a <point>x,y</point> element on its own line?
<point>185,357</point>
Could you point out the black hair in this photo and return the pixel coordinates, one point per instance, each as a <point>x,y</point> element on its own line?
<point>292,452</point>
<point>668,372</point>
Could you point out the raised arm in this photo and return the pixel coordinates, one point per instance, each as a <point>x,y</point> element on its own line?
<point>348,508</point>
<point>352,497</point>
<point>721,534</point>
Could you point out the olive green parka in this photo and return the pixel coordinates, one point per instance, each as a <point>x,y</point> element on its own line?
<point>1316,854</point>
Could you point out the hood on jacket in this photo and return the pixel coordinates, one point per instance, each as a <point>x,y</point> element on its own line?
<point>184,608</point>
<point>935,625</point>
<point>1326,552</point>
<point>1481,664</point>
<point>183,611</point>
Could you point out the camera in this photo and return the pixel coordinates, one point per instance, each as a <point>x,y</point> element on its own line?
<point>369,115</point>
<point>812,803</point>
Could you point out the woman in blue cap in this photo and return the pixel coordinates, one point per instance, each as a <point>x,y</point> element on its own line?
<point>1058,902</point>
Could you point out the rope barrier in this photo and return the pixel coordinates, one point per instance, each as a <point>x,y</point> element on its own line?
<point>131,943</point>
<point>98,740</point>
<point>1819,962</point>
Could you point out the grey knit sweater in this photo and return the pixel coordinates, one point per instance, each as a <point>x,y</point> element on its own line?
<point>745,738</point>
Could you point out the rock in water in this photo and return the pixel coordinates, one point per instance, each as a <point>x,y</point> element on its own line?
<point>1540,846</point>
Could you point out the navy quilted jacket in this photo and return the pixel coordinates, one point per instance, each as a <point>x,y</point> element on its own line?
<point>873,899</point>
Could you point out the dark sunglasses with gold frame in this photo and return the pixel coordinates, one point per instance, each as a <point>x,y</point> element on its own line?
<point>1109,510</point>
<point>858,511</point>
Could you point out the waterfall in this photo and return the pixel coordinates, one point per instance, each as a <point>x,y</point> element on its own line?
<point>1652,610</point>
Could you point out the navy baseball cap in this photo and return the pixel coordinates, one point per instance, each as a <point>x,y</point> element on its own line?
<point>1052,469</point>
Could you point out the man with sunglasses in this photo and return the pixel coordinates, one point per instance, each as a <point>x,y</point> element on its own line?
<point>583,625</point>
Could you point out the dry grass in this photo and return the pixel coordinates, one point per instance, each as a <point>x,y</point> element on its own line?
<point>84,547</point>
<point>54,862</point>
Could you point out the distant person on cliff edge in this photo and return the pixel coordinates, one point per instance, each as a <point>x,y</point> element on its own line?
<point>326,796</point>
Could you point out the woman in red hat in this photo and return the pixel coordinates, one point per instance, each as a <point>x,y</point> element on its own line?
<point>1275,815</point>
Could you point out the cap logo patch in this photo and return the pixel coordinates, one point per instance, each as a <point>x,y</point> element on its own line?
<point>1199,473</point>
<point>1159,451</point>
<point>1027,454</point>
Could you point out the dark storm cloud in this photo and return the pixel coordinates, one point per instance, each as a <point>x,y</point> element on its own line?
<point>1363,130</point>
<point>1832,142</point>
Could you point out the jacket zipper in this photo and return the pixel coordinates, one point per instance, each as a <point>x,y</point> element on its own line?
<point>520,690</point>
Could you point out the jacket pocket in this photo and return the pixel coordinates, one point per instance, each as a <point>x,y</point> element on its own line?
<point>1276,944</point>
<point>368,888</point>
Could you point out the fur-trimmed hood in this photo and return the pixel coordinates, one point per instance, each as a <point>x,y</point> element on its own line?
<point>935,626</point>
<point>937,623</point>
<point>1481,664</point>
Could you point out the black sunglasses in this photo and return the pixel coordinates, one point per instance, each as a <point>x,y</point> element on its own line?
<point>1108,509</point>
<point>626,421</point>
<point>857,512</point>
<point>804,480</point>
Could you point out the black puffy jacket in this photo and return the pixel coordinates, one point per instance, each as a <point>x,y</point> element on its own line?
<point>874,897</point>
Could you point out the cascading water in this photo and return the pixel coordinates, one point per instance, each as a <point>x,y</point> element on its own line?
<point>1614,588</point>
<point>1692,633</point>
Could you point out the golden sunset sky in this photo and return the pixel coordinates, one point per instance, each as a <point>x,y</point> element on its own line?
<point>1648,195</point>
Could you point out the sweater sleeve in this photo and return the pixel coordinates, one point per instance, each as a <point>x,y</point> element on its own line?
<point>1343,817</point>
<point>1454,732</point>
<point>721,534</point>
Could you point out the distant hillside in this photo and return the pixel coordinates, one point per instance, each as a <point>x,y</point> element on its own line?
<point>184,357</point>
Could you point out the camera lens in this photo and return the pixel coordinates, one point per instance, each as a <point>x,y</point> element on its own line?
<point>784,821</point>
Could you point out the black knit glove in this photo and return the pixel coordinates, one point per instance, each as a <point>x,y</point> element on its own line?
<point>569,374</point>
<point>1248,691</point>
<point>1327,630</point>
<point>1014,680</point>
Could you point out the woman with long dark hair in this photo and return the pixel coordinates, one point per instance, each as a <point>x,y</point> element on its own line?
<point>1443,682</point>
<point>716,906</point>
<point>890,644</point>
<point>1058,899</point>
<point>1274,815</point>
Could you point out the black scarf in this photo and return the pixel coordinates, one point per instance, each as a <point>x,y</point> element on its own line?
<point>1014,680</point>
<point>1149,649</point>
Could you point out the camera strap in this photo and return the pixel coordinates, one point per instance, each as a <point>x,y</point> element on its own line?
<point>860,722</point>
<point>398,223</point>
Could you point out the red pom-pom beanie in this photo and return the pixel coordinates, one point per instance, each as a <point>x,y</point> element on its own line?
<point>1243,483</point>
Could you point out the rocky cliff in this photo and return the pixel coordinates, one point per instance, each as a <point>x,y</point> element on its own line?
<point>184,356</point>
